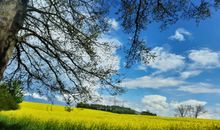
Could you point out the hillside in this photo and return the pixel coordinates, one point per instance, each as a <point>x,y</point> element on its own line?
<point>39,116</point>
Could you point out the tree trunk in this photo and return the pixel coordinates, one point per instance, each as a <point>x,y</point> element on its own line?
<point>12,14</point>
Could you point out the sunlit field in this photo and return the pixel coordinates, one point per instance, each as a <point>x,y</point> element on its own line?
<point>36,116</point>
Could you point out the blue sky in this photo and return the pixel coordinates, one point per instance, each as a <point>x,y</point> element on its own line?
<point>186,69</point>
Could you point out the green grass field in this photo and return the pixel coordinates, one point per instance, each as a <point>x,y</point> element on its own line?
<point>36,116</point>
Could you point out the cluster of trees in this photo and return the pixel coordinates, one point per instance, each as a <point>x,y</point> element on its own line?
<point>148,113</point>
<point>190,110</point>
<point>114,109</point>
<point>10,95</point>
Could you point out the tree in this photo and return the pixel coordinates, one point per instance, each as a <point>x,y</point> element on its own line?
<point>68,106</point>
<point>14,89</point>
<point>199,109</point>
<point>184,110</point>
<point>57,47</point>
<point>54,44</point>
<point>7,101</point>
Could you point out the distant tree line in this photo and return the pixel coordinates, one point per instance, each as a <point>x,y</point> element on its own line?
<point>114,109</point>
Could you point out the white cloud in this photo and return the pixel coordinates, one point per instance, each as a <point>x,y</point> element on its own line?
<point>191,102</point>
<point>141,67</point>
<point>188,74</point>
<point>156,103</point>
<point>36,95</point>
<point>166,61</point>
<point>59,98</point>
<point>199,88</point>
<point>152,82</point>
<point>213,112</point>
<point>180,34</point>
<point>107,55</point>
<point>114,24</point>
<point>204,58</point>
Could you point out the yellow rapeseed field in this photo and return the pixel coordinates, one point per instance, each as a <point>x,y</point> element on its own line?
<point>93,119</point>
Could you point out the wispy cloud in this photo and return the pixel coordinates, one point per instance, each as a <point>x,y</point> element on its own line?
<point>165,61</point>
<point>200,88</point>
<point>189,74</point>
<point>108,58</point>
<point>114,24</point>
<point>142,67</point>
<point>179,84</point>
<point>152,82</point>
<point>180,34</point>
<point>204,58</point>
<point>36,96</point>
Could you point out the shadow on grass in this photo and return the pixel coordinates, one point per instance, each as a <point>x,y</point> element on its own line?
<point>4,126</point>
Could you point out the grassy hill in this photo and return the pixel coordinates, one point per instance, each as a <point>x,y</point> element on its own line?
<point>37,116</point>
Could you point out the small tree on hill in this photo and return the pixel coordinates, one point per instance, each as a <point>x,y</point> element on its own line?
<point>68,106</point>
